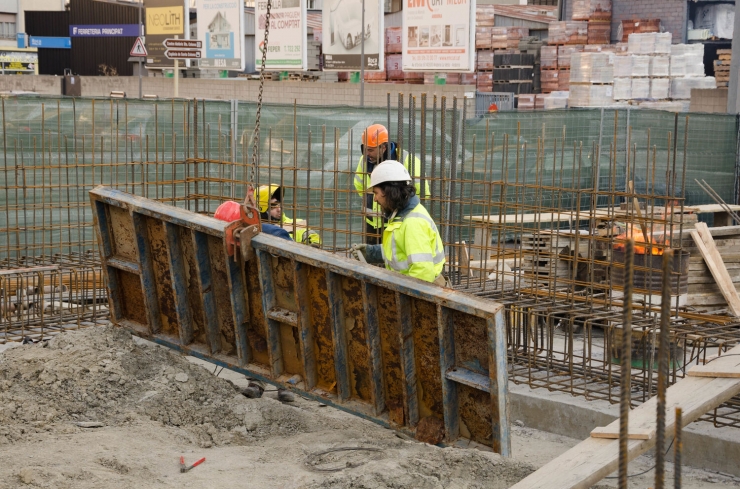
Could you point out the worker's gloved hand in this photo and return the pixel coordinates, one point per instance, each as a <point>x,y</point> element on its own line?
<point>360,250</point>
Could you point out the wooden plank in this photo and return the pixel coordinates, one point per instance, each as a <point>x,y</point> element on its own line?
<point>725,366</point>
<point>705,243</point>
<point>608,433</point>
<point>594,458</point>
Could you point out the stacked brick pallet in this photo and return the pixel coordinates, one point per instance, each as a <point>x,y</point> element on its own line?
<point>499,64</point>
<point>598,14</point>
<point>393,59</point>
<point>638,26</point>
<point>591,81</point>
<point>564,39</point>
<point>722,67</point>
<point>644,72</point>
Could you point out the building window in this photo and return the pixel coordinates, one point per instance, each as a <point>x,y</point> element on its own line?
<point>7,30</point>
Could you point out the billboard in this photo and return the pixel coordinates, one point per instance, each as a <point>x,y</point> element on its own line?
<point>286,47</point>
<point>164,19</point>
<point>221,29</point>
<point>439,35</point>
<point>343,32</point>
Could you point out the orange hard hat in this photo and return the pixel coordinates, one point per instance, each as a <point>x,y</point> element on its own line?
<point>228,211</point>
<point>375,135</point>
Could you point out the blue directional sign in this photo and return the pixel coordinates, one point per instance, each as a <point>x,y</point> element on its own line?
<point>105,30</point>
<point>49,42</point>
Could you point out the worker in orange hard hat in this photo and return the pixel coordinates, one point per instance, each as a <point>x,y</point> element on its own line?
<point>377,148</point>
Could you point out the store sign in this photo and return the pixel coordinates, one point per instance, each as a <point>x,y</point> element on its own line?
<point>50,42</point>
<point>18,62</point>
<point>286,47</point>
<point>164,19</point>
<point>104,30</point>
<point>439,35</point>
<point>221,30</point>
<point>344,34</point>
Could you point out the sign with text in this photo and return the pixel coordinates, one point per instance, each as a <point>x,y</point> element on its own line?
<point>343,33</point>
<point>45,42</point>
<point>439,35</point>
<point>183,43</point>
<point>221,30</point>
<point>286,46</point>
<point>182,54</point>
<point>104,30</point>
<point>164,19</point>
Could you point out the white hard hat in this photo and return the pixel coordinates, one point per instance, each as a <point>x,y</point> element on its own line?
<point>389,171</point>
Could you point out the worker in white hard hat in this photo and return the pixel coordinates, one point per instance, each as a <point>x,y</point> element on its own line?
<point>375,149</point>
<point>270,201</point>
<point>411,243</point>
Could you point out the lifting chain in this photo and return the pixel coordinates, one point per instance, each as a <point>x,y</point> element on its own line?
<point>256,138</point>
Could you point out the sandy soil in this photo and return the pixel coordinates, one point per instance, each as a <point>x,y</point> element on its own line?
<point>154,406</point>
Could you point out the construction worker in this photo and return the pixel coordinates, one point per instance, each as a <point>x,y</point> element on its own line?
<point>229,212</point>
<point>411,243</point>
<point>270,201</point>
<point>377,148</point>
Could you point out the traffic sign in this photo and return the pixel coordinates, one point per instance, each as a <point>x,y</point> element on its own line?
<point>181,54</point>
<point>183,43</point>
<point>138,49</point>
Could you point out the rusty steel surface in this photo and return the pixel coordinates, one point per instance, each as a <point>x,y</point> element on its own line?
<point>389,348</point>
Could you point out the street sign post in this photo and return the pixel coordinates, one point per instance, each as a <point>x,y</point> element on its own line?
<point>182,44</point>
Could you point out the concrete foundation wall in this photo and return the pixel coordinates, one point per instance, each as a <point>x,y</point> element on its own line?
<point>709,100</point>
<point>704,446</point>
<point>305,93</point>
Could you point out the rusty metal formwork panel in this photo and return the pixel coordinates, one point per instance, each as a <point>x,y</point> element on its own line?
<point>386,347</point>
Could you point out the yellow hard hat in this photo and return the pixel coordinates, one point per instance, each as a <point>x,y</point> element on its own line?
<point>267,192</point>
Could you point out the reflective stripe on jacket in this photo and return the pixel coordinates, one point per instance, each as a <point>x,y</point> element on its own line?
<point>412,245</point>
<point>299,232</point>
<point>362,183</point>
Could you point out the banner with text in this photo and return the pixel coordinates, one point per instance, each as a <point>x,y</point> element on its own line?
<point>221,29</point>
<point>438,35</point>
<point>286,46</point>
<point>343,34</point>
<point>164,19</point>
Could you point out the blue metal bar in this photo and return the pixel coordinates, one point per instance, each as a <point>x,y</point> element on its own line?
<point>239,305</point>
<point>468,377</point>
<point>300,286</point>
<point>370,304</point>
<point>146,274</point>
<point>203,266</point>
<point>450,402</point>
<point>339,334</point>
<point>124,265</point>
<point>408,359</point>
<point>177,274</point>
<point>106,251</point>
<point>268,302</point>
<point>499,384</point>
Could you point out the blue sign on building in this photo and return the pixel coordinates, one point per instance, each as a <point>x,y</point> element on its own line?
<point>21,39</point>
<point>50,42</point>
<point>104,30</point>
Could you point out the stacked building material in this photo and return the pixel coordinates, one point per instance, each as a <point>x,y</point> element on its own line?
<point>687,70</point>
<point>484,16</point>
<point>722,67</point>
<point>483,37</point>
<point>564,55</point>
<point>567,32</point>
<point>395,73</point>
<point>548,69</point>
<point>512,72</point>
<point>556,100</point>
<point>637,26</point>
<point>393,40</point>
<point>642,73</point>
<point>507,37</point>
<point>591,80</point>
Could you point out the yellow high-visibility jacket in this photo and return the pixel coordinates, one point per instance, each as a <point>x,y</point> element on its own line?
<point>362,183</point>
<point>300,233</point>
<point>411,244</point>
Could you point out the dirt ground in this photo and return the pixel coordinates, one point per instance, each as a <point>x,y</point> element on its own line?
<point>96,409</point>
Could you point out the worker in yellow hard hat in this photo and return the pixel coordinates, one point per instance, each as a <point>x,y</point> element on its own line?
<point>411,242</point>
<point>378,148</point>
<point>270,201</point>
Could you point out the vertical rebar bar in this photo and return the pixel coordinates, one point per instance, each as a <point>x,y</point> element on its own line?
<point>663,354</point>
<point>678,444</point>
<point>626,363</point>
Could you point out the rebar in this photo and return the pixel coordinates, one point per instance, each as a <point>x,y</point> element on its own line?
<point>678,449</point>
<point>626,366</point>
<point>665,314</point>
